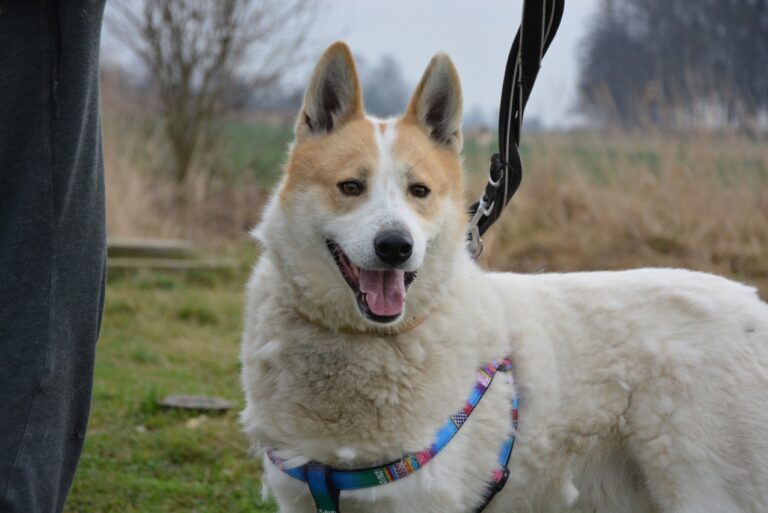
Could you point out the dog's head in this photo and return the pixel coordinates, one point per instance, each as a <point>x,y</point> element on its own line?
<point>370,215</point>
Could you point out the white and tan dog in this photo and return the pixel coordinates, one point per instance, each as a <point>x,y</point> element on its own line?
<point>641,391</point>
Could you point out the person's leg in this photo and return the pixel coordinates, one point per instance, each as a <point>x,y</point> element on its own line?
<point>52,244</point>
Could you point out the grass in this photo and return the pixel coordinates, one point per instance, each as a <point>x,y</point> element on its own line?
<point>237,150</point>
<point>253,151</point>
<point>587,201</point>
<point>599,201</point>
<point>165,334</point>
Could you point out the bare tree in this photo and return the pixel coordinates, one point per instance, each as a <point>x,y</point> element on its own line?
<point>676,63</point>
<point>204,56</point>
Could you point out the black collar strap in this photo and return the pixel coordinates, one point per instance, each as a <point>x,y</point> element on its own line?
<point>540,21</point>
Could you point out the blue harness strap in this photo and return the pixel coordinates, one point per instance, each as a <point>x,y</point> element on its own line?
<point>326,483</point>
<point>501,474</point>
<point>325,495</point>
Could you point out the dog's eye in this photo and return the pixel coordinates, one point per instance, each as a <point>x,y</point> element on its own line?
<point>419,190</point>
<point>351,188</point>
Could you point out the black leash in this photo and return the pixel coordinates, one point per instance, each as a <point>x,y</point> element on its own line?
<point>540,21</point>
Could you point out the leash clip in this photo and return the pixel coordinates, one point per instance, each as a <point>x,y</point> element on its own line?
<point>497,176</point>
<point>475,243</point>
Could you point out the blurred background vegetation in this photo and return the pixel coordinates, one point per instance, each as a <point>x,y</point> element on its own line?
<point>670,168</point>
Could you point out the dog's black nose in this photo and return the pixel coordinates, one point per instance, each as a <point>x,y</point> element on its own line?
<point>393,247</point>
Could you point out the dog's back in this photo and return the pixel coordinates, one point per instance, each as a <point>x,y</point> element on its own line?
<point>668,367</point>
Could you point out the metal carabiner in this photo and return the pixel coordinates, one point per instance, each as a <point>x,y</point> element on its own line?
<point>475,242</point>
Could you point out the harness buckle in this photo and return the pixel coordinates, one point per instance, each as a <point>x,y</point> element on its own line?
<point>501,482</point>
<point>493,488</point>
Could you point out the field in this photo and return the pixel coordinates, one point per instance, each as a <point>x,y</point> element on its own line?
<point>588,201</point>
<point>165,334</point>
<point>600,201</point>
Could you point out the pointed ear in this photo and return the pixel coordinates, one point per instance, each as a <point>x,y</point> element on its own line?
<point>436,103</point>
<point>333,96</point>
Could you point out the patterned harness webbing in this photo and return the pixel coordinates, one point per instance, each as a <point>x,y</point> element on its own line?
<point>326,483</point>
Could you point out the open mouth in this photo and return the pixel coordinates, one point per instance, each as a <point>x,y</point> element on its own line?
<point>380,292</point>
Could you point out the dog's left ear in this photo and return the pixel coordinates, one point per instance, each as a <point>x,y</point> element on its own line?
<point>436,104</point>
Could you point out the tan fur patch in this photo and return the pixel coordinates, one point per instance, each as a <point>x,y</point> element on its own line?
<point>439,168</point>
<point>350,153</point>
<point>322,161</point>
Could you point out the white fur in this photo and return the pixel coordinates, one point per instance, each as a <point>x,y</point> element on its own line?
<point>387,207</point>
<point>642,391</point>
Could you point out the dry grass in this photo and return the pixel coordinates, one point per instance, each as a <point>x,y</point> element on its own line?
<point>142,200</point>
<point>695,202</point>
<point>133,196</point>
<point>588,201</point>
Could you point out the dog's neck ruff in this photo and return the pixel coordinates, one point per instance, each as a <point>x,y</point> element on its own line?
<point>384,331</point>
<point>326,483</point>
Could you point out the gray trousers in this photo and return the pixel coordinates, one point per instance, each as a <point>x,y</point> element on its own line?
<point>52,244</point>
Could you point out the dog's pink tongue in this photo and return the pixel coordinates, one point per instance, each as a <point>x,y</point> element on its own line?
<point>384,291</point>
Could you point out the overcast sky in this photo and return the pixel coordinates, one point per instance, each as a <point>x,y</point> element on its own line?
<point>476,35</point>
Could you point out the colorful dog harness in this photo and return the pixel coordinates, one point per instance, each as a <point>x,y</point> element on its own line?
<point>326,483</point>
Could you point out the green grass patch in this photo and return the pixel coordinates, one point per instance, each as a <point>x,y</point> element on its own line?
<point>254,150</point>
<point>166,335</point>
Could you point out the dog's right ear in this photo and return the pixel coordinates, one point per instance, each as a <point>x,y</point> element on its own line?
<point>333,96</point>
